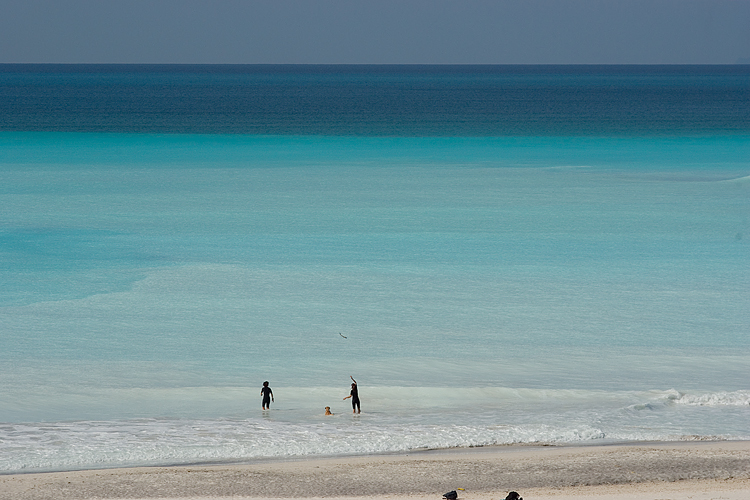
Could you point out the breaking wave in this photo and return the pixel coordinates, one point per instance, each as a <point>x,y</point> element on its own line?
<point>722,398</point>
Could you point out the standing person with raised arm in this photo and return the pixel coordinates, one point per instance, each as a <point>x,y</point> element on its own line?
<point>354,394</point>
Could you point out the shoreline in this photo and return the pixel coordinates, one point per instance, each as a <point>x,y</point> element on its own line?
<point>675,469</point>
<point>493,448</point>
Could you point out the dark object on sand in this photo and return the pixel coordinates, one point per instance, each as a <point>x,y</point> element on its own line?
<point>513,496</point>
<point>451,495</point>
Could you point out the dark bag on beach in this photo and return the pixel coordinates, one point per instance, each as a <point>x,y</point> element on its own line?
<point>513,496</point>
<point>451,495</point>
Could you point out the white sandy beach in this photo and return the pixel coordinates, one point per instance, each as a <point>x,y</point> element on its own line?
<point>681,470</point>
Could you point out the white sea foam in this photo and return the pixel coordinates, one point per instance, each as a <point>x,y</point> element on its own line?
<point>395,419</point>
<point>75,445</point>
<point>723,398</point>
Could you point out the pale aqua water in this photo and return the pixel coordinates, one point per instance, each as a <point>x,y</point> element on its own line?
<point>492,289</point>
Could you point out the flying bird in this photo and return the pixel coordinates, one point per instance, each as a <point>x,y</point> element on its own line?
<point>343,335</point>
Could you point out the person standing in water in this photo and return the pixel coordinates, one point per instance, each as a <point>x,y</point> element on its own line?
<point>355,397</point>
<point>267,394</point>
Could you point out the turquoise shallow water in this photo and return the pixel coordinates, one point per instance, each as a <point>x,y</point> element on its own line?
<point>534,292</point>
<point>493,289</point>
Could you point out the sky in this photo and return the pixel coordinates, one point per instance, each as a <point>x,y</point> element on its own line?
<point>376,31</point>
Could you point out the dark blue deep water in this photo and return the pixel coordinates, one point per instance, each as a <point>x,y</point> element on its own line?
<point>377,100</point>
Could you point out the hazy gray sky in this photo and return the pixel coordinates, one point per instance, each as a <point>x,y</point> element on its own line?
<point>376,31</point>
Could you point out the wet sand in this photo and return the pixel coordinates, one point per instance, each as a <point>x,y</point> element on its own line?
<point>682,470</point>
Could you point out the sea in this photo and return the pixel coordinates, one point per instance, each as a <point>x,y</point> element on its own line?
<point>534,255</point>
